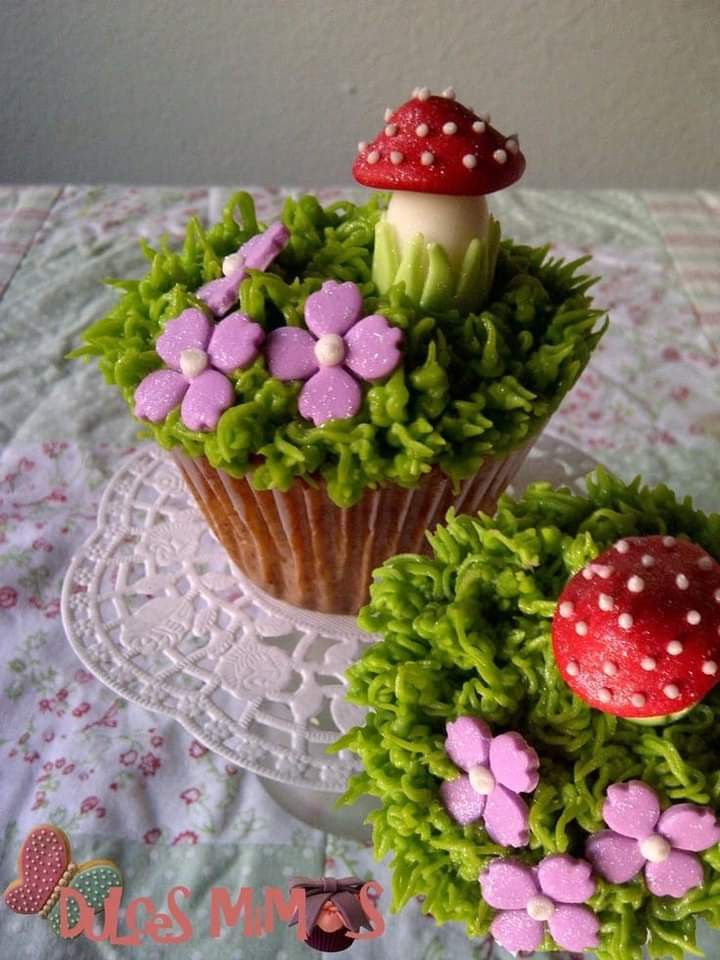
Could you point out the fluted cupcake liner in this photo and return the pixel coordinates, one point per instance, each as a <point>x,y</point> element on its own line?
<point>302,548</point>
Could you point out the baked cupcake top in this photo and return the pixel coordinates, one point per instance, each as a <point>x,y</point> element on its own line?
<point>542,727</point>
<point>339,343</point>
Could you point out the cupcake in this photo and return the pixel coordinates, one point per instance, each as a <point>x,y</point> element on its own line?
<point>543,721</point>
<point>331,384</point>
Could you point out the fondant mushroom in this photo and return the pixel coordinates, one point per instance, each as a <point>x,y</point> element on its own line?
<point>636,633</point>
<point>440,159</point>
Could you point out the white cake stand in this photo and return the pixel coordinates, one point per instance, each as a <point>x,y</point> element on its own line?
<point>154,609</point>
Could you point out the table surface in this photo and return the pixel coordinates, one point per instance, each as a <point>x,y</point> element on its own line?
<point>132,785</point>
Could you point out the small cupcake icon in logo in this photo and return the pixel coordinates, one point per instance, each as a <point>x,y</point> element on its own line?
<point>336,909</point>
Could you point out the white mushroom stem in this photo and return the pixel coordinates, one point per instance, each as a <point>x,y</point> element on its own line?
<point>451,222</point>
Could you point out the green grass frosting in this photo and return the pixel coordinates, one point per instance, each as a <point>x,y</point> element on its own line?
<point>470,385</point>
<point>468,631</point>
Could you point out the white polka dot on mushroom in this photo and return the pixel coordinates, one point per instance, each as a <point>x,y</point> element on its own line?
<point>648,663</point>
<point>396,157</point>
<point>449,128</point>
<point>391,130</point>
<point>373,156</point>
<point>572,668</point>
<point>499,156</point>
<point>388,114</point>
<point>603,570</point>
<point>625,620</point>
<point>693,617</point>
<point>710,668</point>
<point>638,700</point>
<point>604,695</point>
<point>647,560</point>
<point>609,668</point>
<point>705,563</point>
<point>362,145</point>
<point>668,541</point>
<point>682,582</point>
<point>581,628</point>
<point>427,159</point>
<point>606,602</point>
<point>636,584</point>
<point>479,126</point>
<point>449,93</point>
<point>674,648</point>
<point>512,145</point>
<point>587,573</point>
<point>671,691</point>
<point>469,161</point>
<point>566,609</point>
<point>716,595</point>
<point>422,130</point>
<point>422,93</point>
<point>622,546</point>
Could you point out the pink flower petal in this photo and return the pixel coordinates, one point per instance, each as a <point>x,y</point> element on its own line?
<point>290,353</point>
<point>372,348</point>
<point>158,394</point>
<point>514,763</point>
<point>234,343</point>
<point>331,394</point>
<point>516,930</point>
<point>461,801</point>
<point>574,928</point>
<point>468,742</point>
<point>221,295</point>
<point>631,809</point>
<point>566,879</point>
<point>189,331</point>
<point>508,884</point>
<point>690,827</point>
<point>208,396</point>
<point>614,857</point>
<point>260,251</point>
<point>675,876</point>
<point>334,308</point>
<point>506,818</point>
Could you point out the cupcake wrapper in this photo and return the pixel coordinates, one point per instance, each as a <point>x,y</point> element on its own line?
<point>300,547</point>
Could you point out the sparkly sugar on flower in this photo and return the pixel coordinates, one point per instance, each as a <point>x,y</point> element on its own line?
<point>339,349</point>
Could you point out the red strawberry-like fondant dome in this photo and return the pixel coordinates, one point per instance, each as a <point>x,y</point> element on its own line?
<point>433,144</point>
<point>636,633</point>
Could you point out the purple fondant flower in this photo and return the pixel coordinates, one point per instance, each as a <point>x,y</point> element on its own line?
<point>497,769</point>
<point>342,345</point>
<point>528,898</point>
<point>199,356</point>
<point>256,254</point>
<point>640,836</point>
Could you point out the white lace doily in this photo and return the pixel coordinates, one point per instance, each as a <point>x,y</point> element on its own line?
<point>153,607</point>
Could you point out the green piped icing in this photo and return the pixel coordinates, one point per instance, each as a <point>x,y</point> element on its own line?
<point>468,631</point>
<point>427,274</point>
<point>471,385</point>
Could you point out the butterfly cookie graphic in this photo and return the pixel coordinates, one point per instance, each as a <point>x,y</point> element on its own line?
<point>45,867</point>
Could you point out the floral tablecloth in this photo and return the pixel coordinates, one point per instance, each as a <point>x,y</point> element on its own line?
<point>133,785</point>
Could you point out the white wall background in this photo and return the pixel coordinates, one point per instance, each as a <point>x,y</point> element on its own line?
<point>602,92</point>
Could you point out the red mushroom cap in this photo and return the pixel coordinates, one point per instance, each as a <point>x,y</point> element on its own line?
<point>436,145</point>
<point>637,632</point>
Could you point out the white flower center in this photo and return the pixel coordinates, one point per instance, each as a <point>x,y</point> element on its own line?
<point>330,350</point>
<point>655,848</point>
<point>232,263</point>
<point>481,780</point>
<point>193,362</point>
<point>540,907</point>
